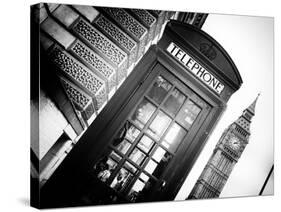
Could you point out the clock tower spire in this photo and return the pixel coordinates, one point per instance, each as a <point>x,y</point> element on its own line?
<point>226,154</point>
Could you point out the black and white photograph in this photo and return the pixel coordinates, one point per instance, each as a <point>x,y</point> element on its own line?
<point>133,105</point>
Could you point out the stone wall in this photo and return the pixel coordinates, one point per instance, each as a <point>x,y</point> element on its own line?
<point>86,54</point>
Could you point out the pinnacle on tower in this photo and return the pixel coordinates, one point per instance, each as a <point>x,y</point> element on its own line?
<point>245,119</point>
<point>252,107</point>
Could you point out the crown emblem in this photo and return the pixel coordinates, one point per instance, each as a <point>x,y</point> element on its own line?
<point>208,50</point>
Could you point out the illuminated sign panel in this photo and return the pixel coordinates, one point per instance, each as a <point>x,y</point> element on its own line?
<point>196,68</point>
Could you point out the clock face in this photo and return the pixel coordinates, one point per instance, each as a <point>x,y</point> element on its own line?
<point>235,143</point>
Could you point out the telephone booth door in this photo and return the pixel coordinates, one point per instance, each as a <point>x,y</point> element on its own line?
<point>153,128</point>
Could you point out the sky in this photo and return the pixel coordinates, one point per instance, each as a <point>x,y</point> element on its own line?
<point>249,42</point>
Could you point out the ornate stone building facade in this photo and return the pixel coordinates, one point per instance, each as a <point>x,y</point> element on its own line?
<point>85,55</point>
<point>225,156</point>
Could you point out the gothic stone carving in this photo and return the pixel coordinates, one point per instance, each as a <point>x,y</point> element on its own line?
<point>99,41</point>
<point>81,100</point>
<point>77,96</point>
<point>118,36</point>
<point>79,73</point>
<point>103,45</point>
<point>94,61</point>
<point>130,25</point>
<point>147,20</point>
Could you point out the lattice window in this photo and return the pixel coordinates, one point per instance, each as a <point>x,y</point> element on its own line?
<point>145,16</point>
<point>77,96</point>
<point>127,21</point>
<point>95,61</point>
<point>76,70</point>
<point>115,33</point>
<point>100,42</point>
<point>118,35</point>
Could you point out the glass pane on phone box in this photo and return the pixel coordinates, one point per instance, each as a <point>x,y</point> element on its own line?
<point>128,131</point>
<point>115,156</point>
<point>134,192</point>
<point>123,146</point>
<point>163,158</point>
<point>173,137</point>
<point>188,113</point>
<point>159,125</point>
<point>111,164</point>
<point>150,166</point>
<point>104,168</point>
<point>144,177</point>
<point>159,89</point>
<point>122,179</point>
<point>132,133</point>
<point>158,154</point>
<point>137,156</point>
<point>143,113</point>
<point>145,143</point>
<point>130,167</point>
<point>141,189</point>
<point>174,101</point>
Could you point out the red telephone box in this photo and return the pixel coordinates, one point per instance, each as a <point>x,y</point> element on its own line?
<point>144,143</point>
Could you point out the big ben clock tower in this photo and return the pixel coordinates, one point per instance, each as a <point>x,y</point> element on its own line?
<point>226,154</point>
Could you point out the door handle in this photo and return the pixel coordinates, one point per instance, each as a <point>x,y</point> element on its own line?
<point>163,184</point>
